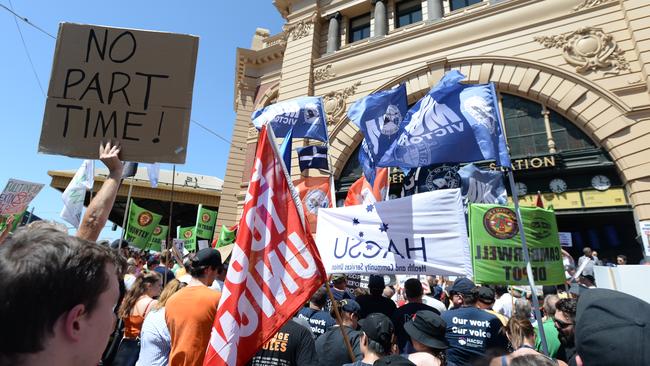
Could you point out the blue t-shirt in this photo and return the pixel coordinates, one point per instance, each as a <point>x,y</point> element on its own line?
<point>319,321</point>
<point>470,333</point>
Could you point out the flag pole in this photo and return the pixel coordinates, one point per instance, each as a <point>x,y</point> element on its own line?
<point>169,240</point>
<point>331,173</point>
<point>337,315</point>
<point>127,208</point>
<point>529,269</point>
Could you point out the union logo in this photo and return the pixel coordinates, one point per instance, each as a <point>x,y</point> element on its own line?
<point>205,217</point>
<point>145,218</point>
<point>187,234</point>
<point>501,222</point>
<point>157,230</point>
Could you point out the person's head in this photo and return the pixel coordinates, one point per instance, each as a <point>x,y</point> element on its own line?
<point>205,264</point>
<point>594,253</point>
<point>484,296</point>
<point>522,309</point>
<point>171,288</point>
<point>377,336</point>
<point>131,265</point>
<point>500,290</point>
<point>389,291</point>
<point>376,285</point>
<point>612,328</point>
<point>520,331</point>
<point>587,252</point>
<point>549,305</point>
<point>393,360</point>
<point>349,310</point>
<point>413,290</point>
<point>153,262</point>
<point>319,298</point>
<point>533,360</point>
<point>149,284</point>
<point>621,259</point>
<point>427,332</point>
<point>339,281</point>
<point>565,316</point>
<point>62,292</point>
<point>461,292</point>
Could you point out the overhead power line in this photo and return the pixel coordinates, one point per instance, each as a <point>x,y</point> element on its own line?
<point>22,39</point>
<point>25,19</point>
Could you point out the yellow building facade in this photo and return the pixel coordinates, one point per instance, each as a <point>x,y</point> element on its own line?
<point>573,79</point>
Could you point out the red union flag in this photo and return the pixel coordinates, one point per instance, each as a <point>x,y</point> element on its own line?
<point>274,268</point>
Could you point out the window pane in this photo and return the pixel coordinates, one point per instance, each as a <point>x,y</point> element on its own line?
<point>359,28</point>
<point>567,136</point>
<point>524,126</point>
<point>457,4</point>
<point>408,12</point>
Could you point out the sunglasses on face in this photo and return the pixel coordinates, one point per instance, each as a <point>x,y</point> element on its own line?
<point>561,324</point>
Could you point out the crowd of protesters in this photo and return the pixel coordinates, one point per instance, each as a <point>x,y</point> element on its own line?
<point>62,294</point>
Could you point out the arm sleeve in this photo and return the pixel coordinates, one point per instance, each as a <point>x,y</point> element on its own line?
<point>306,353</point>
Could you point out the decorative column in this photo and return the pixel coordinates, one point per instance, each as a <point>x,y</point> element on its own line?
<point>547,126</point>
<point>435,9</point>
<point>333,33</point>
<point>380,18</point>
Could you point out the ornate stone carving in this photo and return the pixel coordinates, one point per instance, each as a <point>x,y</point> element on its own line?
<point>334,103</point>
<point>300,29</point>
<point>589,49</point>
<point>252,133</point>
<point>586,4</point>
<point>324,73</point>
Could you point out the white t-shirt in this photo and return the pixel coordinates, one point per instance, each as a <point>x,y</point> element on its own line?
<point>434,303</point>
<point>503,305</point>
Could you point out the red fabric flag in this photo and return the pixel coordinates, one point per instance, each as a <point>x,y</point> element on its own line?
<point>361,191</point>
<point>274,268</point>
<point>539,202</point>
<point>314,194</point>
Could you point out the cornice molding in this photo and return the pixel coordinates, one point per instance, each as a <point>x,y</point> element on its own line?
<point>300,29</point>
<point>324,73</point>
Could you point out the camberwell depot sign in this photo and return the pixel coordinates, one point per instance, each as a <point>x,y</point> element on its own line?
<point>123,85</point>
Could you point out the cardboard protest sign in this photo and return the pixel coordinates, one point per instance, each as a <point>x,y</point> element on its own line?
<point>17,195</point>
<point>188,235</point>
<point>158,235</point>
<point>497,255</point>
<point>644,230</point>
<point>124,85</point>
<point>205,222</point>
<point>140,226</point>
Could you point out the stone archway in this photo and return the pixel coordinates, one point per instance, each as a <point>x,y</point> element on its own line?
<point>604,117</point>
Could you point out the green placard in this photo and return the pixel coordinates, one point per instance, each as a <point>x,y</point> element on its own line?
<point>205,222</point>
<point>141,225</point>
<point>188,234</point>
<point>497,256</point>
<point>157,236</point>
<point>226,236</point>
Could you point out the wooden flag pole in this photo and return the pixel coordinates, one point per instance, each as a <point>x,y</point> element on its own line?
<point>337,314</point>
<point>127,208</point>
<point>529,270</point>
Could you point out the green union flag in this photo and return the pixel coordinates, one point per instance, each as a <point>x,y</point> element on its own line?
<point>188,234</point>
<point>205,222</point>
<point>226,236</point>
<point>157,236</point>
<point>140,226</point>
<point>497,255</point>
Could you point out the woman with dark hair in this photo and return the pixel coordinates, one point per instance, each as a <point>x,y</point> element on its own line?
<point>155,343</point>
<point>134,308</point>
<point>521,334</point>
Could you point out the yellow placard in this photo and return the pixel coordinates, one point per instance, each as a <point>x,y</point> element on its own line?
<point>562,201</point>
<point>610,197</point>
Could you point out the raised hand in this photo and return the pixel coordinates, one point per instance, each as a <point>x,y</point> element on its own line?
<point>109,155</point>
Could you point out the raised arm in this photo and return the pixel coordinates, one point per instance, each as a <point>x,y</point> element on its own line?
<point>8,225</point>
<point>100,207</point>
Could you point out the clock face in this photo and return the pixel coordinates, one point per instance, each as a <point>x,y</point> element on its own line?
<point>600,182</point>
<point>558,185</point>
<point>521,189</point>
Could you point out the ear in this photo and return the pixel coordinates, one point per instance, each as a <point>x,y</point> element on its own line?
<point>73,322</point>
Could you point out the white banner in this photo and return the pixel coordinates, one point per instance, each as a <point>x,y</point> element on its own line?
<point>75,193</point>
<point>644,230</point>
<point>420,234</point>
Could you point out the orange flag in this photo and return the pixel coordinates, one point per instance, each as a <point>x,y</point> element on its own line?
<point>361,192</point>
<point>314,193</point>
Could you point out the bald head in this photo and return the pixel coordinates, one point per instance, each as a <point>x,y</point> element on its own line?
<point>549,304</point>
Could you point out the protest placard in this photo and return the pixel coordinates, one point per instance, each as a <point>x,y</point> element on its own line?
<point>631,279</point>
<point>188,235</point>
<point>140,226</point>
<point>644,230</point>
<point>158,236</point>
<point>205,222</point>
<point>124,85</point>
<point>17,195</point>
<point>497,253</point>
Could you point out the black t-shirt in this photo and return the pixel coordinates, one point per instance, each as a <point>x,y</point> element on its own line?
<point>403,314</point>
<point>292,345</point>
<point>375,304</point>
<point>331,348</point>
<point>319,321</point>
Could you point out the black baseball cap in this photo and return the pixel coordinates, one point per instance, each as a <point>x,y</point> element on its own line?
<point>428,328</point>
<point>462,285</point>
<point>207,257</point>
<point>484,294</point>
<point>379,328</point>
<point>350,306</point>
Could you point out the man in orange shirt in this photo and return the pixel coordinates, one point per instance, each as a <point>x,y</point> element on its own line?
<point>190,312</point>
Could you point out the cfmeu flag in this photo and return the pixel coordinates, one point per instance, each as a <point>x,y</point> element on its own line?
<point>453,123</point>
<point>361,192</point>
<point>304,116</point>
<point>378,116</point>
<point>75,193</point>
<point>274,268</point>
<point>314,194</point>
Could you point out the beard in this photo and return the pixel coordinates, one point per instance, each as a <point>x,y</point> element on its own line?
<point>566,341</point>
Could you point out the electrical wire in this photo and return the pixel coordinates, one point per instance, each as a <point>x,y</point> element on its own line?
<point>210,131</point>
<point>25,19</point>
<point>22,39</point>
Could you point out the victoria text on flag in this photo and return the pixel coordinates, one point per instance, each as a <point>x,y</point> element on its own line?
<point>304,116</point>
<point>274,268</point>
<point>420,234</point>
<point>75,193</point>
<point>378,116</point>
<point>361,192</point>
<point>312,157</point>
<point>453,123</point>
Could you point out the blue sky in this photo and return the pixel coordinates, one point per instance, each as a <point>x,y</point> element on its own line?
<point>222,27</point>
